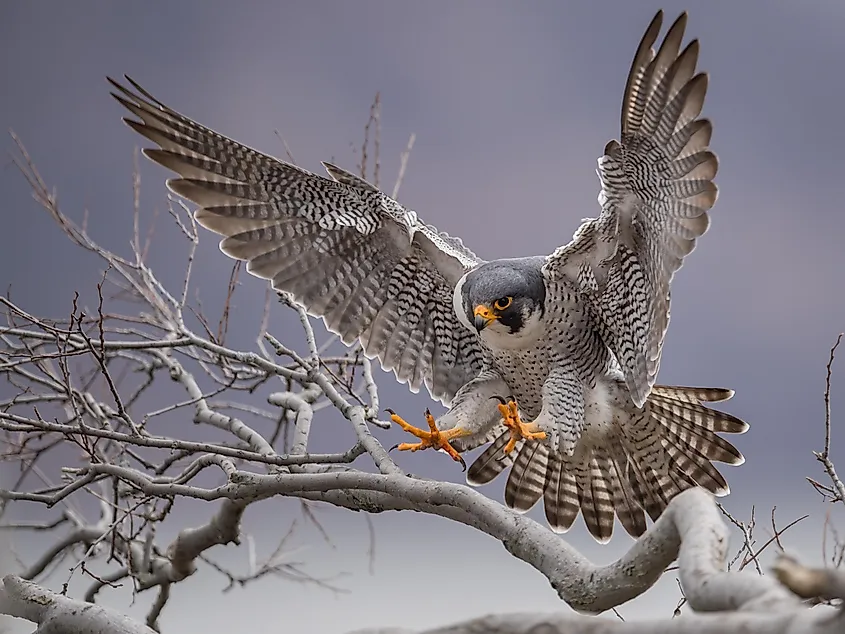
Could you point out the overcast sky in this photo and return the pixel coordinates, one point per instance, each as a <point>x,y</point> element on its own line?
<point>511,104</point>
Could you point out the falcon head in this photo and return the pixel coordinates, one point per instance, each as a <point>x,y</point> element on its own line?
<point>502,301</point>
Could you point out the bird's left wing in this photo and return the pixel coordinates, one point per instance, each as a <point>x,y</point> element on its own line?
<point>656,189</point>
<point>371,269</point>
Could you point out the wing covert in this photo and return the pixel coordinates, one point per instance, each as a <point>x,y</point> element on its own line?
<point>344,250</point>
<point>656,189</point>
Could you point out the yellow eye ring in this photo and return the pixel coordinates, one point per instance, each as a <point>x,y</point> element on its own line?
<point>503,303</point>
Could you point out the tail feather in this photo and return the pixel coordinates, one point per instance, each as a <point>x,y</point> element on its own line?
<point>560,498</point>
<point>646,496</point>
<point>642,442</point>
<point>665,483</point>
<point>695,395</point>
<point>710,445</point>
<point>527,479</point>
<point>595,499</point>
<point>689,462</point>
<point>624,494</point>
<point>700,416</point>
<point>636,470</point>
<point>492,461</point>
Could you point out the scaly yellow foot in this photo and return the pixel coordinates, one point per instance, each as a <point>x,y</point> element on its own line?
<point>432,438</point>
<point>518,429</point>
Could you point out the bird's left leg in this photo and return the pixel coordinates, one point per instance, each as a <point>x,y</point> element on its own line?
<point>468,423</point>
<point>518,430</point>
<point>562,414</point>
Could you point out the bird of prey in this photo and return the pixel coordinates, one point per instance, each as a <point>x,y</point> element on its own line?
<point>550,360</point>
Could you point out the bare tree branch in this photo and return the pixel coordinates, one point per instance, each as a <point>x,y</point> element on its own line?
<point>824,455</point>
<point>56,614</point>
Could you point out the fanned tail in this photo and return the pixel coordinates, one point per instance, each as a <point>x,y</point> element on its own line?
<point>641,464</point>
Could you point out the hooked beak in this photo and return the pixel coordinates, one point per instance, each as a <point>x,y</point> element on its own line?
<point>483,317</point>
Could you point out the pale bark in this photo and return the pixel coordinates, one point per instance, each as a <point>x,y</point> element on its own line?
<point>56,614</point>
<point>804,622</point>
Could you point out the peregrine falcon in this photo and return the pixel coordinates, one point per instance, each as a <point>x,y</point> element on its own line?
<point>570,342</point>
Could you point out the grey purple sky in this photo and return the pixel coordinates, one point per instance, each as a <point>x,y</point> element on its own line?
<point>511,104</point>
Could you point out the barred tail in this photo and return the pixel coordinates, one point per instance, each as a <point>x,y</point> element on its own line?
<point>636,470</point>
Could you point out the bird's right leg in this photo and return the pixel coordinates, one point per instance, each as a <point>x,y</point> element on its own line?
<point>432,438</point>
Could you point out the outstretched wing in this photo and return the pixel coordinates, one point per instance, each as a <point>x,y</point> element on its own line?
<point>657,187</point>
<point>349,254</point>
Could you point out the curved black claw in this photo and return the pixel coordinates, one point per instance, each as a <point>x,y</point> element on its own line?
<point>496,397</point>
<point>390,411</point>
<point>393,447</point>
<point>463,464</point>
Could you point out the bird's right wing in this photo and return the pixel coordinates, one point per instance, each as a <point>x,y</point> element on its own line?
<point>656,190</point>
<point>345,251</point>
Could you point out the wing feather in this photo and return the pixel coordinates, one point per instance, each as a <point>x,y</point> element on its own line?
<point>656,190</point>
<point>348,253</point>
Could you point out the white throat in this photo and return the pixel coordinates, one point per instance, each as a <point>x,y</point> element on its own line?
<point>499,337</point>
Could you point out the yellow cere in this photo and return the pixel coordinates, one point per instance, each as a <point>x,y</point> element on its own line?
<point>484,311</point>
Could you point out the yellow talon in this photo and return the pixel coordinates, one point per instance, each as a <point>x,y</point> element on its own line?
<point>432,437</point>
<point>518,429</point>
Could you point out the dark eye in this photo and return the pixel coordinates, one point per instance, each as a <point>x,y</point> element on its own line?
<point>502,303</point>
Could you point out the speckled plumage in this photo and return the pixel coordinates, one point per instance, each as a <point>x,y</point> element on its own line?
<point>575,337</point>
